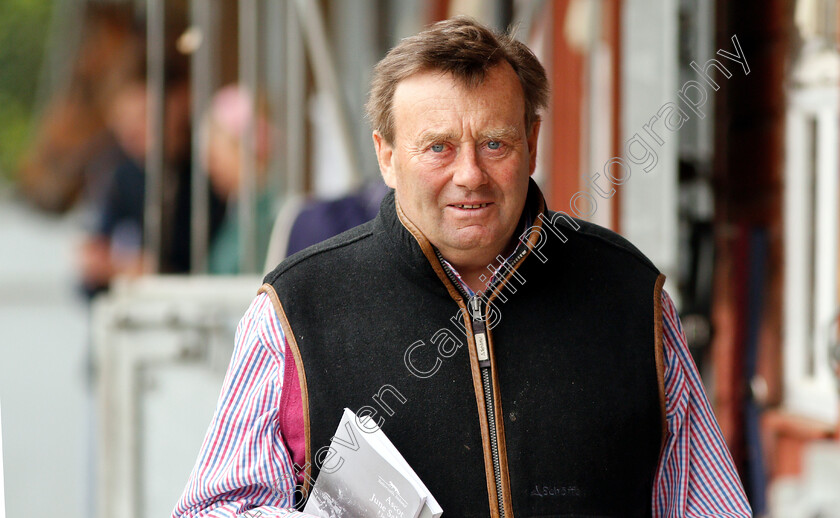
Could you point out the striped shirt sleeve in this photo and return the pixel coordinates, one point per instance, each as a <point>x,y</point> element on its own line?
<point>696,476</point>
<point>244,468</point>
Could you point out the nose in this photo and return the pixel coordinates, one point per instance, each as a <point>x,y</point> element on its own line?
<point>468,171</point>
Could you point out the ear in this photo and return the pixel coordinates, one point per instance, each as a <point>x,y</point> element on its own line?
<point>385,157</point>
<point>533,138</point>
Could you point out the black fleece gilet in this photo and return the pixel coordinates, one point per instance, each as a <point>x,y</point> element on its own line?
<point>575,343</point>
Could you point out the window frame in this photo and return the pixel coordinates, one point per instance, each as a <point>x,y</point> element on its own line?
<point>812,390</point>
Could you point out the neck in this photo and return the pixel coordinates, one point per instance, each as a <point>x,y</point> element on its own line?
<point>472,277</point>
<point>472,270</point>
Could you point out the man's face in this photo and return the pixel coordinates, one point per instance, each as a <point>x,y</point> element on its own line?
<point>460,160</point>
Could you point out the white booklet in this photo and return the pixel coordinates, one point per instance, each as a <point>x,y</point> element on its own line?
<point>366,477</point>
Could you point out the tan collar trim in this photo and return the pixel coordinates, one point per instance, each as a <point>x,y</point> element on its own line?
<point>534,233</point>
<point>428,251</point>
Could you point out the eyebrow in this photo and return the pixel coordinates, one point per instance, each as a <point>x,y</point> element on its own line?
<point>431,136</point>
<point>503,133</point>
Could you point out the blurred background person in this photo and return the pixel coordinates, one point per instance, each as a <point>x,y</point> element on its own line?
<point>223,129</point>
<point>115,245</point>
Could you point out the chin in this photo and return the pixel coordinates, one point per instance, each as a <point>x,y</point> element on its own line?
<point>475,244</point>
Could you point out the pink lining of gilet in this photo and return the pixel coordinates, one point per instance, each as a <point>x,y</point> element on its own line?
<point>291,415</point>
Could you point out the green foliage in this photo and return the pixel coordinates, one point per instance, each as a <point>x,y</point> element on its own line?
<point>23,34</point>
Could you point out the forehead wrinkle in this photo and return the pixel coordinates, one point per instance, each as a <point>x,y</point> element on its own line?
<point>502,133</point>
<point>450,111</point>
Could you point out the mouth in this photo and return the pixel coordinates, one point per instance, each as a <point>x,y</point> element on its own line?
<point>469,206</point>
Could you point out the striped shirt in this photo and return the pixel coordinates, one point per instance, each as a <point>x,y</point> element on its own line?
<point>245,466</point>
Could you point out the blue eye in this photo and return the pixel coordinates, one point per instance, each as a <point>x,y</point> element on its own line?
<point>437,148</point>
<point>494,144</point>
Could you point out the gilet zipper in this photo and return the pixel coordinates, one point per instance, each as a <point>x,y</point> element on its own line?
<point>478,316</point>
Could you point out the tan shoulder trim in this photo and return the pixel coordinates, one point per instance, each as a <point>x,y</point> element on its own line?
<point>268,289</point>
<point>659,352</point>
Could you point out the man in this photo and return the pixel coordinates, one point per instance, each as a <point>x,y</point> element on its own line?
<point>563,388</point>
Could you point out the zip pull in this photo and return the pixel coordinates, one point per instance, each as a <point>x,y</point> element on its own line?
<point>475,307</point>
<point>479,332</point>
